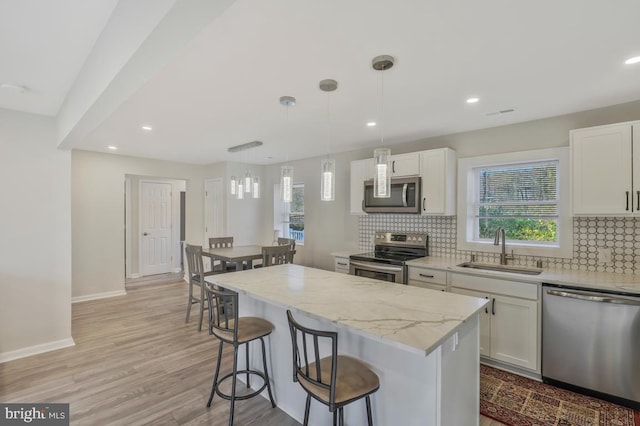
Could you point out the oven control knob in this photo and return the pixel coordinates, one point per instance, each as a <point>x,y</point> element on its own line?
<point>419,238</point>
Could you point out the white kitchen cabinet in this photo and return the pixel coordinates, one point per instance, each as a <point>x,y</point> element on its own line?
<point>433,279</point>
<point>405,164</point>
<point>605,164</point>
<point>361,170</point>
<point>438,172</point>
<point>510,326</point>
<point>485,319</point>
<point>341,264</point>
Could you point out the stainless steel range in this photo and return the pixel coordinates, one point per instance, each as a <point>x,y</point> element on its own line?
<point>388,261</point>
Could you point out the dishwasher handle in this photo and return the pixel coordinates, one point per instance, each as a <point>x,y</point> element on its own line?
<point>594,297</point>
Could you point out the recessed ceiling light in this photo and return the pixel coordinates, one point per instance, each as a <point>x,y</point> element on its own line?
<point>13,87</point>
<point>472,100</point>
<point>112,148</point>
<point>371,123</point>
<point>147,128</point>
<point>633,60</point>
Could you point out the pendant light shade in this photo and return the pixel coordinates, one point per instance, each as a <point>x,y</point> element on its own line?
<point>286,172</point>
<point>382,156</point>
<point>247,183</point>
<point>286,183</point>
<point>327,183</point>
<point>382,173</point>
<point>240,191</point>
<point>234,185</point>
<point>256,187</point>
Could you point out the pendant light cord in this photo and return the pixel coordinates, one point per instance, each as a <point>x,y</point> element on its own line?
<point>382,108</point>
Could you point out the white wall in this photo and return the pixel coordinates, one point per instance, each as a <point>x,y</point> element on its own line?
<point>98,214</point>
<point>35,225</point>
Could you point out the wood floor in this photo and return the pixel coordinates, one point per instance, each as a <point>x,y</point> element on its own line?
<point>136,362</point>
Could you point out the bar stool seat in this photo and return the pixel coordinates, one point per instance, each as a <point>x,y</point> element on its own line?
<point>249,328</point>
<point>225,324</point>
<point>353,379</point>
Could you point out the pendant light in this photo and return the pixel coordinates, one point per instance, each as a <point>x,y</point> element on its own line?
<point>286,171</point>
<point>328,165</point>
<point>256,187</point>
<point>382,156</point>
<point>234,184</point>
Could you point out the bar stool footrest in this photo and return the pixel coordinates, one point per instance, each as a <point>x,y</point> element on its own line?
<point>241,397</point>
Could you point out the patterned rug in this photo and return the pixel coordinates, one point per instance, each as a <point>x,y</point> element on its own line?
<point>518,401</point>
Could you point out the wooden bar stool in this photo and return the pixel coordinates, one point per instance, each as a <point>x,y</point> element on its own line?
<point>225,324</point>
<point>335,380</point>
<point>196,279</point>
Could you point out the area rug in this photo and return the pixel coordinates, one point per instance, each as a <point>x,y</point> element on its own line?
<point>518,401</point>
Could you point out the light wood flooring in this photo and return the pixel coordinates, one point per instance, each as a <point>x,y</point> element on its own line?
<point>136,362</point>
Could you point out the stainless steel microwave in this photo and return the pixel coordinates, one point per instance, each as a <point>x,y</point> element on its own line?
<point>405,197</point>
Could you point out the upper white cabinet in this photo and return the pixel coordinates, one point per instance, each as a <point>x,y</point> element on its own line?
<point>405,164</point>
<point>438,171</point>
<point>361,170</point>
<point>605,164</point>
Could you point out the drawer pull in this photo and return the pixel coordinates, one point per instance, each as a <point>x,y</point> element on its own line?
<point>342,264</point>
<point>426,276</point>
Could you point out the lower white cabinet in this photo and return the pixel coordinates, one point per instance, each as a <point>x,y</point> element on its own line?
<point>510,324</point>
<point>341,264</point>
<point>433,279</point>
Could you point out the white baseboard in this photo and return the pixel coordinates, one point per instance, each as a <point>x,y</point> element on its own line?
<point>36,349</point>
<point>98,296</point>
<point>134,276</point>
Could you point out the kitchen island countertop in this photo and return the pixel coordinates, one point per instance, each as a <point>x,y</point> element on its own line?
<point>403,316</point>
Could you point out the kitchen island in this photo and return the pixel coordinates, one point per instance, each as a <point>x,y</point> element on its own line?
<point>423,344</point>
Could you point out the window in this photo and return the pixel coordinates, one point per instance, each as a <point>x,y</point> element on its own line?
<point>524,193</point>
<point>289,217</point>
<point>296,213</point>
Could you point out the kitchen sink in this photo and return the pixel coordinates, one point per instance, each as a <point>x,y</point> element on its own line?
<point>501,268</point>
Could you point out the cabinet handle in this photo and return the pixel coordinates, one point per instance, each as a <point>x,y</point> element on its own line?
<point>638,200</point>
<point>426,276</point>
<point>393,167</point>
<point>486,309</point>
<point>362,205</point>
<point>493,306</point>
<point>424,200</point>
<point>342,264</point>
<point>627,192</point>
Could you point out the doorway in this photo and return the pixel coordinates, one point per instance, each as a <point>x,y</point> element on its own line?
<point>154,218</point>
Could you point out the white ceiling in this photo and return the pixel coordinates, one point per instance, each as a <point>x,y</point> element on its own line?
<point>43,45</point>
<point>543,58</point>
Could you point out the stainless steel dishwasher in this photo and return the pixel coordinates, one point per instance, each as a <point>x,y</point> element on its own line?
<point>591,342</point>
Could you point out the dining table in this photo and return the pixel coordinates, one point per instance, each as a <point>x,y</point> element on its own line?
<point>237,254</point>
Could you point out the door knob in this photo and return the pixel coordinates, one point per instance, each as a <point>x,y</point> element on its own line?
<point>145,234</point>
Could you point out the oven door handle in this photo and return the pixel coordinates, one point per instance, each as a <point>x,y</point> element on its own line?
<point>376,267</point>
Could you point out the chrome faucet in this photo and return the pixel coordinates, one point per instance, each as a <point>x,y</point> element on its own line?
<point>496,241</point>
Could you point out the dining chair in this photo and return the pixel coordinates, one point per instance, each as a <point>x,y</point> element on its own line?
<point>221,242</point>
<point>276,255</point>
<point>334,380</point>
<point>228,327</point>
<point>196,275</point>
<point>291,242</point>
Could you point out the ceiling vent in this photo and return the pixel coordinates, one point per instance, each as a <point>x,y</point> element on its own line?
<point>502,111</point>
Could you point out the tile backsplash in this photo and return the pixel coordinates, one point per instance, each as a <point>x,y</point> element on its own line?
<point>620,235</point>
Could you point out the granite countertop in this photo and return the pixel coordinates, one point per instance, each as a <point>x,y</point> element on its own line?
<point>409,318</point>
<point>608,281</point>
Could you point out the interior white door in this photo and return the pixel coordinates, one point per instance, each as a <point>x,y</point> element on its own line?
<point>155,226</point>
<point>213,208</point>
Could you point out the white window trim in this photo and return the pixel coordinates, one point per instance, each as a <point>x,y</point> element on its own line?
<point>466,217</point>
